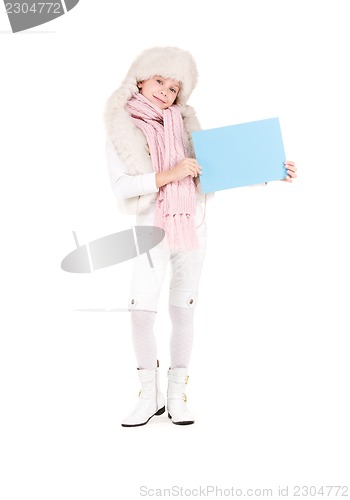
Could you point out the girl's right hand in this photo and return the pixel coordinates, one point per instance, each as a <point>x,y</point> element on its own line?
<point>187,166</point>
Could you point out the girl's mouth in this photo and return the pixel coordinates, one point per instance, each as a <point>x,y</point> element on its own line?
<point>159,99</point>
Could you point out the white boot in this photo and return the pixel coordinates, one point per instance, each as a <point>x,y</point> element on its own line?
<point>176,397</point>
<point>151,401</point>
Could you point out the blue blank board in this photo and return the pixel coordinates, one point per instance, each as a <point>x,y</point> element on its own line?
<point>240,155</point>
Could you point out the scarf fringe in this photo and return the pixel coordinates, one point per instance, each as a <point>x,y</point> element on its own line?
<point>180,231</point>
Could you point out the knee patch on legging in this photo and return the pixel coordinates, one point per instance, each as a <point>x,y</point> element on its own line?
<point>183,298</point>
<point>143,302</point>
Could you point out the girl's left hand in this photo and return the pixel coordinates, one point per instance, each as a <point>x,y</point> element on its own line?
<point>291,171</point>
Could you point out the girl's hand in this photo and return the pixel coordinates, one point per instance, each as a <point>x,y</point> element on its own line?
<point>187,166</point>
<point>291,171</point>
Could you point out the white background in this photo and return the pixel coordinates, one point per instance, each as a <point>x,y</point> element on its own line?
<point>270,366</point>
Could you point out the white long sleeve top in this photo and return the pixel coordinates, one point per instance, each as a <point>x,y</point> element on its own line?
<point>125,185</point>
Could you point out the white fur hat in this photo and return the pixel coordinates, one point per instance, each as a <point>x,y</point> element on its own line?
<point>169,62</point>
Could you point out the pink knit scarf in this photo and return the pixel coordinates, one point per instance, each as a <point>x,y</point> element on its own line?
<point>176,201</point>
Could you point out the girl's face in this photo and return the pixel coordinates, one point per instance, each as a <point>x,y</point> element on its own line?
<point>162,92</point>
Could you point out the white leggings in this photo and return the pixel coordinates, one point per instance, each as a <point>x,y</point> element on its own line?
<point>186,267</point>
<point>144,341</point>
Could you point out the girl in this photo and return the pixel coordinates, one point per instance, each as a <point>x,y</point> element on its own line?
<point>155,176</point>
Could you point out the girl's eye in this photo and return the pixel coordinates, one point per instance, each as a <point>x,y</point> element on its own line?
<point>173,90</point>
<point>159,81</point>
